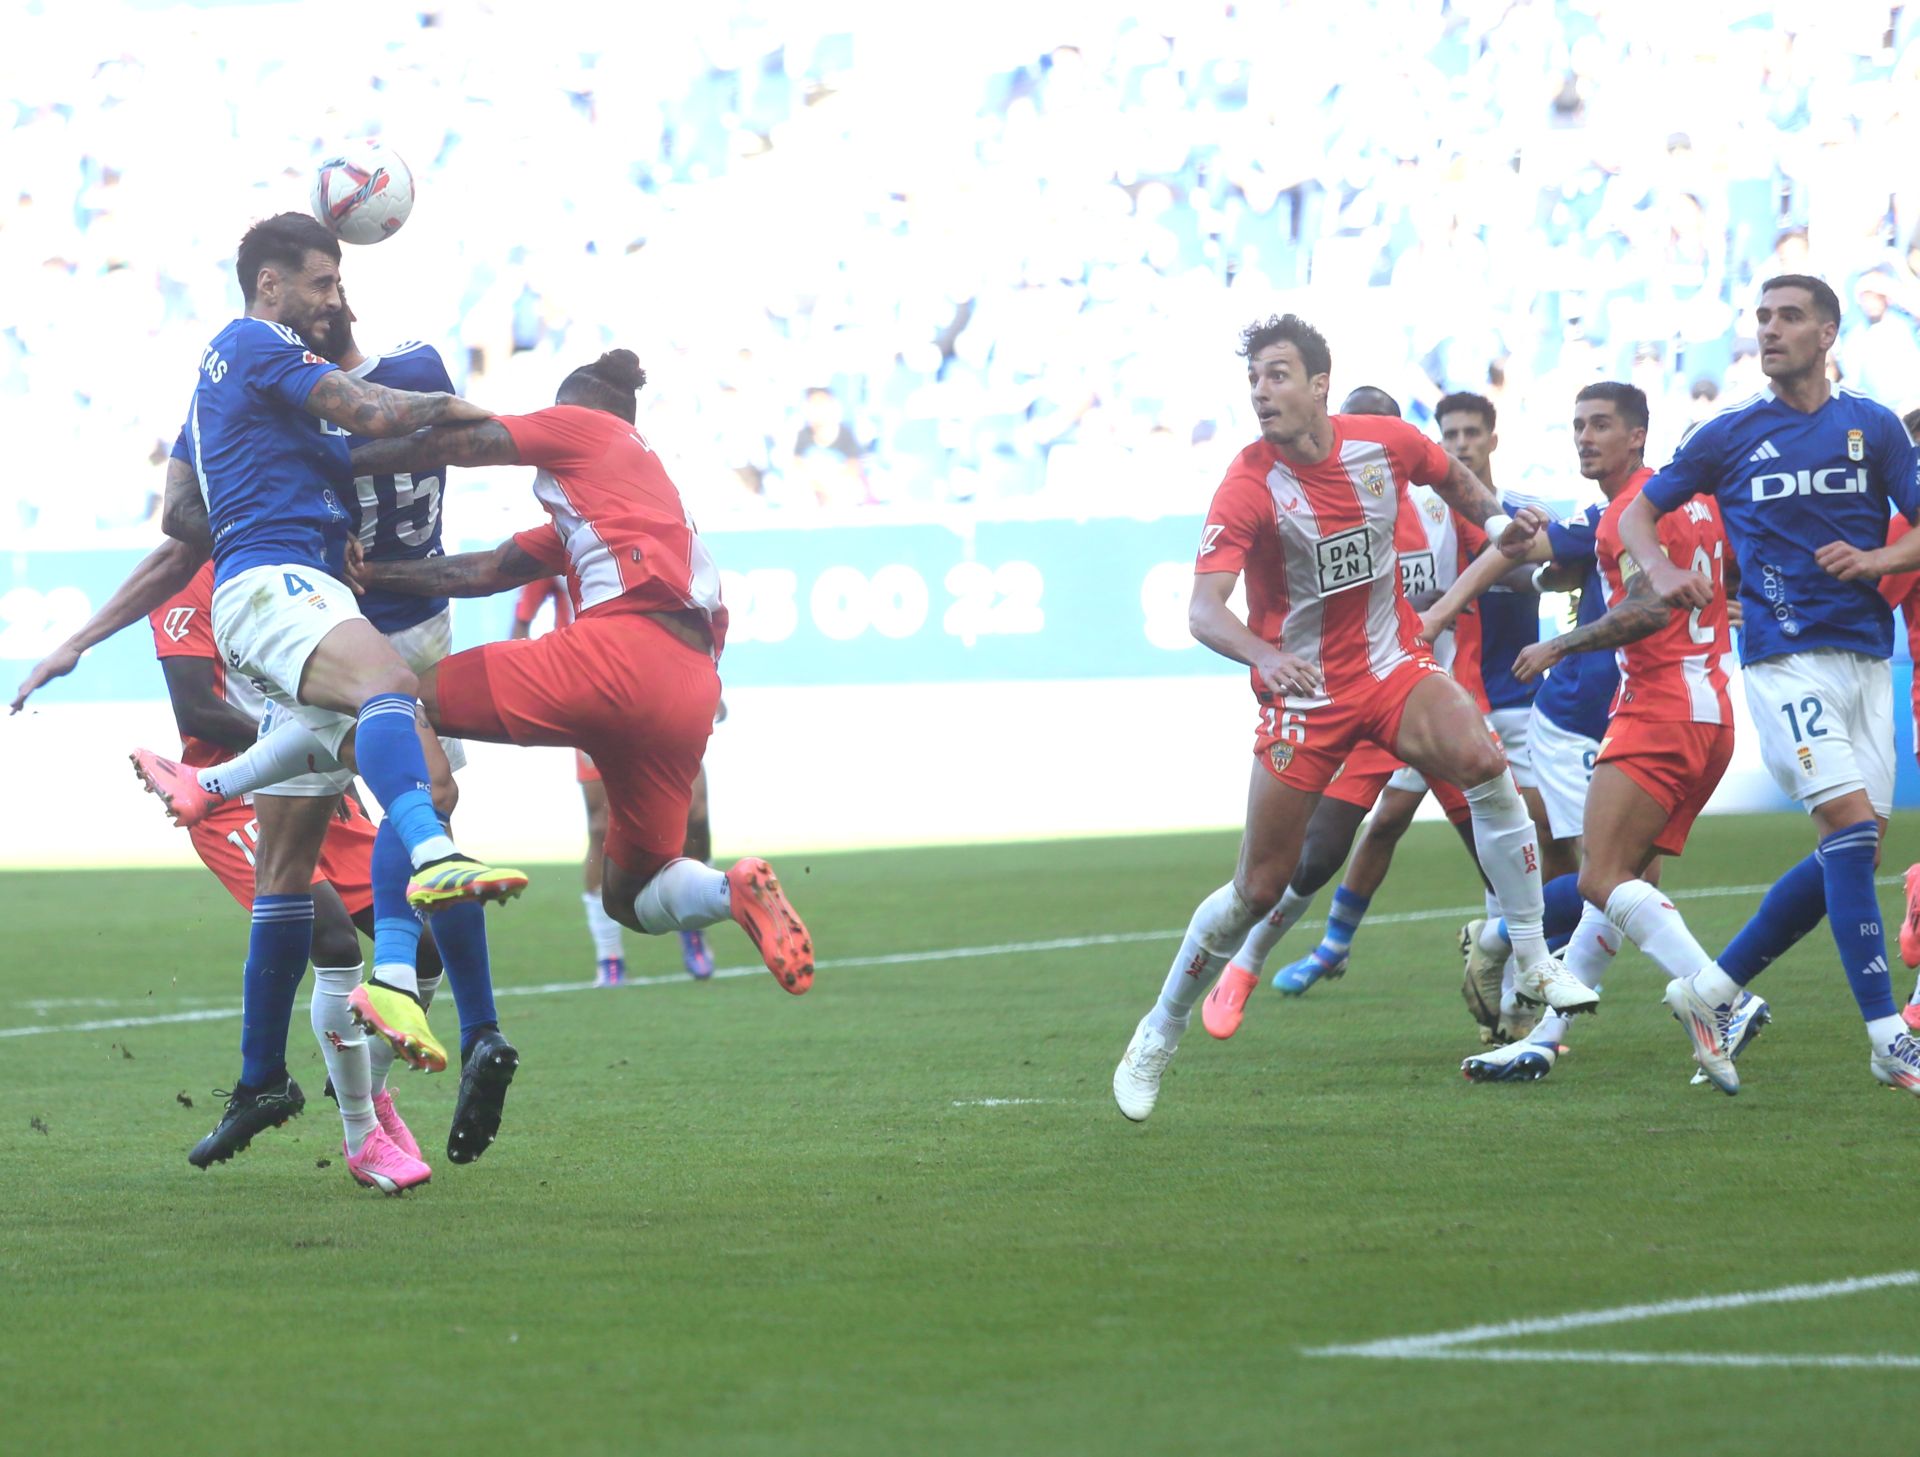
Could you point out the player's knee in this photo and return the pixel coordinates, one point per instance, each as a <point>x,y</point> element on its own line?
<point>335,943</point>
<point>1597,883</point>
<point>1260,888</point>
<point>392,677</point>
<point>1319,863</point>
<point>1476,763</point>
<point>616,899</point>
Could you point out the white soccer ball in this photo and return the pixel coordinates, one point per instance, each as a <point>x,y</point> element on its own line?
<point>363,194</point>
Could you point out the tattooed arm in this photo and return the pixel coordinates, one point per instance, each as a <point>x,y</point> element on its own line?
<point>1463,491</point>
<point>365,408</point>
<point>183,512</point>
<point>470,574</point>
<point>478,442</point>
<point>1641,615</point>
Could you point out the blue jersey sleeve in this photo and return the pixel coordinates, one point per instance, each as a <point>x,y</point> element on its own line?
<point>276,361</point>
<point>1572,540</point>
<point>1693,471</point>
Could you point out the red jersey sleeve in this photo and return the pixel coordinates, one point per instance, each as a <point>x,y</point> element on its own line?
<point>544,545</point>
<point>1241,509</point>
<point>1421,458</point>
<point>183,624</point>
<point>1898,590</point>
<point>560,437</point>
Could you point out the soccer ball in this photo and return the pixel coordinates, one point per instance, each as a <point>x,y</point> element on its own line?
<point>364,194</point>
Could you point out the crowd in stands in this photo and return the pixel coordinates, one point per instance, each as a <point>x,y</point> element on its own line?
<point>878,268</point>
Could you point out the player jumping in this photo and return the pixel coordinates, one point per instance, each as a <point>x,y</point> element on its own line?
<point>1308,513</point>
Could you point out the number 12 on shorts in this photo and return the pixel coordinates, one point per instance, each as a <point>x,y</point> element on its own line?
<point>1812,708</point>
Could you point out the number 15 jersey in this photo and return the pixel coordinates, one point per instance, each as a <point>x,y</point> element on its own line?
<point>397,517</point>
<point>1316,544</point>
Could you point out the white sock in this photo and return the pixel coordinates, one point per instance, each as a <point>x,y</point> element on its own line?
<point>1491,902</point>
<point>400,975</point>
<point>601,926</point>
<point>1491,940</point>
<point>1218,926</point>
<point>1648,919</point>
<point>289,751</point>
<point>344,1046</point>
<point>1882,1031</point>
<point>1916,991</point>
<point>684,896</point>
<point>1509,1001</point>
<point>1716,986</point>
<point>380,1053</point>
<point>1509,851</point>
<point>1588,955</point>
<point>1268,930</point>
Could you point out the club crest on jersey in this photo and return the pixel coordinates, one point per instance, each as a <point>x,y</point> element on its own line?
<point>176,622</point>
<point>1280,755</point>
<point>1806,758</point>
<point>1436,512</point>
<point>1856,445</point>
<point>1376,478</point>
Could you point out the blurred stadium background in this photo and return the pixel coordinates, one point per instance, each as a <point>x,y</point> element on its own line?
<point>939,315</point>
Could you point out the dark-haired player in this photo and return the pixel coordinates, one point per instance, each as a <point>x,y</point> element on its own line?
<point>1307,512</point>
<point>267,436</point>
<point>1803,475</point>
<point>632,679</point>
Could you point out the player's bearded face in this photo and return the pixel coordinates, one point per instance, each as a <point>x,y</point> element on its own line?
<point>1606,445</point>
<point>311,298</point>
<point>1286,399</point>
<point>1793,337</point>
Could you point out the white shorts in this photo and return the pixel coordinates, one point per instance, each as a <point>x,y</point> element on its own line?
<point>1562,768</point>
<point>1511,725</point>
<point>267,622</point>
<point>1825,720</point>
<point>420,647</point>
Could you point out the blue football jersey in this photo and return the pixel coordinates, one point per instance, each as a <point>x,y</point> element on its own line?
<point>273,476</point>
<point>1788,484</point>
<point>1578,690</point>
<point>1509,624</point>
<point>397,517</point>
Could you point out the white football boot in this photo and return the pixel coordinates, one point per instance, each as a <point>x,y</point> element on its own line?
<point>1480,983</point>
<point>1517,1062</point>
<point>1750,1014</point>
<point>1707,1028</point>
<point>1136,1081</point>
<point>1898,1064</point>
<point>1549,981</point>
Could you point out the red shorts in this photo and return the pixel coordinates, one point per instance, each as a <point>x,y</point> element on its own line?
<point>224,840</point>
<point>1678,764</point>
<point>584,769</point>
<point>1304,748</point>
<point>1365,774</point>
<point>615,684</point>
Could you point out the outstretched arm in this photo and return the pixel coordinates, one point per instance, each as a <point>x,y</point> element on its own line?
<point>366,408</point>
<point>1642,614</point>
<point>479,442</point>
<point>1483,574</point>
<point>470,574</point>
<point>161,573</point>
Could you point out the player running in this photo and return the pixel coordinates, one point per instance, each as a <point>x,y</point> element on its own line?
<point>1670,735</point>
<point>1797,466</point>
<point>267,434</point>
<point>1308,513</point>
<point>610,963</point>
<point>1432,543</point>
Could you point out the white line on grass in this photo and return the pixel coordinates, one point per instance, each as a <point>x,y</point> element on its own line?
<point>1462,1345</point>
<point>1001,1102</point>
<point>845,963</point>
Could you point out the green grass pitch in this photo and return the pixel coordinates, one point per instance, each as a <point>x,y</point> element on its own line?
<point>724,1220</point>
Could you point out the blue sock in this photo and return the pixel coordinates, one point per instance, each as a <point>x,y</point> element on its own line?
<point>1343,922</point>
<point>277,952</point>
<point>387,748</point>
<point>1564,908</point>
<point>396,925</point>
<point>1853,915</point>
<point>1794,905</point>
<point>460,931</point>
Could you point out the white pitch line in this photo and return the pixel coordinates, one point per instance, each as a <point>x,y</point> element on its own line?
<point>1880,1362</point>
<point>1002,1102</point>
<point>897,958</point>
<point>1447,1345</point>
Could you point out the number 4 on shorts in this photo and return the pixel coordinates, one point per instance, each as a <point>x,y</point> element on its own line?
<point>296,584</point>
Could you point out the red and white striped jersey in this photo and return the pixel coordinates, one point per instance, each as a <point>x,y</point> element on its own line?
<point>183,628</point>
<point>1435,544</point>
<point>1317,544</point>
<point>619,528</point>
<point>1679,674</point>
